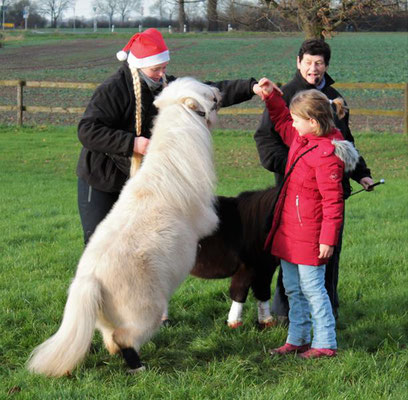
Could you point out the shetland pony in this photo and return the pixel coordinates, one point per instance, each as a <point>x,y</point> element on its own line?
<point>235,250</point>
<point>146,246</point>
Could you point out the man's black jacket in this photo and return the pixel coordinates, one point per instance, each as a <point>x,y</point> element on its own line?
<point>273,153</point>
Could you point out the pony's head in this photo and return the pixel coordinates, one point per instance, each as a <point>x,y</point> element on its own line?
<point>198,97</point>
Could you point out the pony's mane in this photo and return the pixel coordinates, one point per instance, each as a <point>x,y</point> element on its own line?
<point>179,163</point>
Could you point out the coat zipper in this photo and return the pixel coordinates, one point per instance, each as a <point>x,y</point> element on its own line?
<point>298,210</point>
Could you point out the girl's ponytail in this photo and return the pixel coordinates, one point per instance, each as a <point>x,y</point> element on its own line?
<point>340,106</point>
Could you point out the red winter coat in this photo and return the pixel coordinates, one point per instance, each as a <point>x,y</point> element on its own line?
<point>309,210</point>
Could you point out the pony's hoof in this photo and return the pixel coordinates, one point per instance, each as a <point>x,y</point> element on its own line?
<point>266,323</point>
<point>166,323</point>
<point>234,324</point>
<point>136,370</point>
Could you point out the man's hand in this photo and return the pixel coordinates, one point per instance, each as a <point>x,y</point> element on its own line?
<point>326,251</point>
<point>366,183</point>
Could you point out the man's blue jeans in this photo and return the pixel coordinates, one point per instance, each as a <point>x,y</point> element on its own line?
<point>307,295</point>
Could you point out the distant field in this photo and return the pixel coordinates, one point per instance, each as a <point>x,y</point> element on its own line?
<point>357,57</point>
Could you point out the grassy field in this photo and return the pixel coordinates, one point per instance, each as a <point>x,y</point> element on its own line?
<point>357,57</point>
<point>198,357</point>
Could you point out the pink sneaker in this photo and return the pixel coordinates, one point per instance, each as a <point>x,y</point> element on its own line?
<point>317,353</point>
<point>288,348</point>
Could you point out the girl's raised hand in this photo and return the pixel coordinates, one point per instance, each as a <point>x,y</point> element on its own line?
<point>265,87</point>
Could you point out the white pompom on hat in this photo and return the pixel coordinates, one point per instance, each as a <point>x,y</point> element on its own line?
<point>145,49</point>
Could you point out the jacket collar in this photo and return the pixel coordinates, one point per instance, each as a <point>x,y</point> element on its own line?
<point>145,87</point>
<point>310,137</point>
<point>304,85</point>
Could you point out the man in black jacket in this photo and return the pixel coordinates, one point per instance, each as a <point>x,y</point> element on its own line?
<point>312,64</point>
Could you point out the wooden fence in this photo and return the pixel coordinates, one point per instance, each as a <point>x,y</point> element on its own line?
<point>20,108</point>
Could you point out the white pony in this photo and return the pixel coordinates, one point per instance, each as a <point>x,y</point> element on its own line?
<point>146,246</point>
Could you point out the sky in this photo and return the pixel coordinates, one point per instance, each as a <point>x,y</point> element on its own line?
<point>83,8</point>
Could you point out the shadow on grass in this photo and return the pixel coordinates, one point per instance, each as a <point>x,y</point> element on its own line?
<point>197,337</point>
<point>371,324</point>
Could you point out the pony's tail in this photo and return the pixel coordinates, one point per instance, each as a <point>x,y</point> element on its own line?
<point>60,354</point>
<point>340,106</point>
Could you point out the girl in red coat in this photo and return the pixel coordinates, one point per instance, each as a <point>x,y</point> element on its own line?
<point>308,214</point>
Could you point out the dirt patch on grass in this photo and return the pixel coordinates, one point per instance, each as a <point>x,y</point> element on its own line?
<point>12,38</point>
<point>65,55</point>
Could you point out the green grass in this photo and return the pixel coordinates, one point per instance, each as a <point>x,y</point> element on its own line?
<point>198,357</point>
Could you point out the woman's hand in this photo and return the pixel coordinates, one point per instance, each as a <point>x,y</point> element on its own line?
<point>326,251</point>
<point>140,145</point>
<point>265,87</point>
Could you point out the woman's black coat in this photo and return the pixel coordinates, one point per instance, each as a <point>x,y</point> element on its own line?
<point>107,129</point>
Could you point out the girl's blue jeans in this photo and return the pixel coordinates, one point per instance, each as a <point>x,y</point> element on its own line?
<point>309,304</point>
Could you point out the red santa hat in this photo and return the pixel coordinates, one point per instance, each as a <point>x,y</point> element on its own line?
<point>145,49</point>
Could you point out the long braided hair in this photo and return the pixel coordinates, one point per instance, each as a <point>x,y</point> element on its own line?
<point>137,158</point>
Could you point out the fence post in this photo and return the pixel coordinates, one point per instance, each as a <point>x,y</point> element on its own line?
<point>20,107</point>
<point>406,109</point>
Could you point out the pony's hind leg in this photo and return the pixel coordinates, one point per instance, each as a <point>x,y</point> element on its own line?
<point>261,286</point>
<point>107,334</point>
<point>239,288</point>
<point>128,340</point>
<point>132,360</point>
<point>235,315</point>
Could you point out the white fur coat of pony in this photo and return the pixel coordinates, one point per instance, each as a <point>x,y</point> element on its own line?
<point>146,246</point>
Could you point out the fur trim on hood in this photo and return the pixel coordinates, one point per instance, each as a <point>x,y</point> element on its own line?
<point>347,153</point>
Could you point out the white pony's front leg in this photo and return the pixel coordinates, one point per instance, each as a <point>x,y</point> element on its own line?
<point>235,315</point>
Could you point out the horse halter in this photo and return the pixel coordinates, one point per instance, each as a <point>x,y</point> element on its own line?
<point>216,106</point>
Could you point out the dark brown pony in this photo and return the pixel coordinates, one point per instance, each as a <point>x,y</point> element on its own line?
<point>236,249</point>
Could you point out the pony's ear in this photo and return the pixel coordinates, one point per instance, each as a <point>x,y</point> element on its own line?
<point>190,102</point>
<point>158,102</point>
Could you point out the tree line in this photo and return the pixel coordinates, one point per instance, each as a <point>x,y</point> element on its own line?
<point>316,18</point>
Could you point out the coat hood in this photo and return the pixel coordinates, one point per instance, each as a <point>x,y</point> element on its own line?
<point>347,153</point>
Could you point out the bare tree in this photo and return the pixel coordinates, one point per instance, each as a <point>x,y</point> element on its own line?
<point>107,7</point>
<point>127,6</point>
<point>319,18</point>
<point>162,8</point>
<point>195,7</point>
<point>212,16</point>
<point>4,5</point>
<point>181,15</point>
<point>53,8</point>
